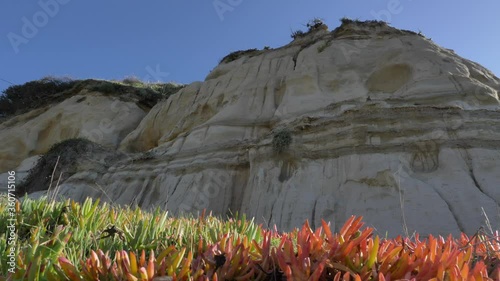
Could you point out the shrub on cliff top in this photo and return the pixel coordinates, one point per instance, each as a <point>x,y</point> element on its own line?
<point>316,24</point>
<point>148,93</point>
<point>238,54</point>
<point>297,34</point>
<point>132,81</point>
<point>346,21</point>
<point>34,94</point>
<point>19,99</point>
<point>313,25</point>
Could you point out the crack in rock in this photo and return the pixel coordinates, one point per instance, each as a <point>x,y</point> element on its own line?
<point>468,162</point>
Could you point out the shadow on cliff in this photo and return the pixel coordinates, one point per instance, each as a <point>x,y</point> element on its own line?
<point>65,159</point>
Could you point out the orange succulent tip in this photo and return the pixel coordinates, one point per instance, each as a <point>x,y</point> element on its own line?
<point>142,260</point>
<point>151,268</point>
<point>94,257</point>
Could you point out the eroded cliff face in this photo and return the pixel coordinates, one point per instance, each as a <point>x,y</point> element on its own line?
<point>103,119</point>
<point>383,123</point>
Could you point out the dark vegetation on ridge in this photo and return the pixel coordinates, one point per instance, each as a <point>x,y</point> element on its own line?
<point>351,27</point>
<point>347,27</point>
<point>34,94</point>
<point>238,54</point>
<point>20,99</point>
<point>313,25</point>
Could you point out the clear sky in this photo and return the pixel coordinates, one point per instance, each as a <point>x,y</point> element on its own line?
<point>182,40</point>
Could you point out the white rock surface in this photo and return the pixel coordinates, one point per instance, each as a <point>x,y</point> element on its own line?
<point>20,172</point>
<point>384,124</point>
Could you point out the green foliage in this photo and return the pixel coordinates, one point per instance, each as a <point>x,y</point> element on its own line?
<point>238,54</point>
<point>132,81</point>
<point>108,87</point>
<point>148,94</point>
<point>94,241</point>
<point>96,226</point>
<point>281,140</point>
<point>34,94</point>
<point>346,21</point>
<point>161,91</point>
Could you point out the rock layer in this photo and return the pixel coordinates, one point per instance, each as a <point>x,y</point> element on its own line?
<point>383,123</point>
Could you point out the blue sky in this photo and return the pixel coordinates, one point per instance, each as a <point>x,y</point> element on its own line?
<point>182,40</point>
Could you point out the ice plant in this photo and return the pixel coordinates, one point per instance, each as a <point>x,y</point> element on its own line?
<point>69,241</point>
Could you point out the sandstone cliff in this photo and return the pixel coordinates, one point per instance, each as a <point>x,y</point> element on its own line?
<point>364,120</point>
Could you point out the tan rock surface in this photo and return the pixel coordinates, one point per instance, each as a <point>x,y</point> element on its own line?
<point>102,119</point>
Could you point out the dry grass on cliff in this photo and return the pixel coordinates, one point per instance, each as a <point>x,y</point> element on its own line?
<point>18,99</point>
